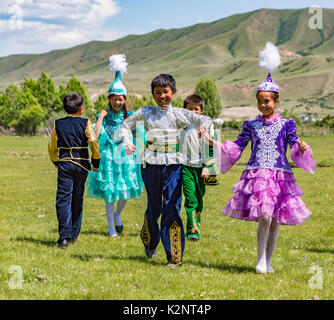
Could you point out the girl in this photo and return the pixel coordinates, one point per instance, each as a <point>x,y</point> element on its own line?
<point>267,191</point>
<point>119,178</point>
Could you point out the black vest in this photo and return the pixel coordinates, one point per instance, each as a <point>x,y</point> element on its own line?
<point>72,140</point>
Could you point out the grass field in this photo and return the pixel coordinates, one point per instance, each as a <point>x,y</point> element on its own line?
<point>220,266</point>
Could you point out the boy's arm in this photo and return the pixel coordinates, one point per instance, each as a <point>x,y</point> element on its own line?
<point>130,125</point>
<point>52,147</point>
<point>209,159</point>
<point>187,117</point>
<point>94,146</point>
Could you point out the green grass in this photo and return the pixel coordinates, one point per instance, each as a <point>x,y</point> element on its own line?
<point>220,266</point>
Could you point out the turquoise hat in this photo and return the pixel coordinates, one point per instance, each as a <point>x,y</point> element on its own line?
<point>117,65</point>
<point>117,86</point>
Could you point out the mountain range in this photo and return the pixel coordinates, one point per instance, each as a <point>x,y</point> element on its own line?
<point>225,50</point>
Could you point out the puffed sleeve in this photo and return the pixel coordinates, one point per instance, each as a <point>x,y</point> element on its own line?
<point>94,145</point>
<point>291,132</point>
<point>304,160</point>
<point>244,137</point>
<point>228,152</point>
<point>53,147</point>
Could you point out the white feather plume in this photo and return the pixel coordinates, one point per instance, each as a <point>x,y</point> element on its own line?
<point>270,58</point>
<point>118,63</point>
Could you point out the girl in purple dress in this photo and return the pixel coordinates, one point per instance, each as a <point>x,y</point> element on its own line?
<point>267,191</point>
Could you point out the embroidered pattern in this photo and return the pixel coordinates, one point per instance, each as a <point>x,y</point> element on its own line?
<point>195,227</point>
<point>175,243</point>
<point>145,234</point>
<point>267,154</point>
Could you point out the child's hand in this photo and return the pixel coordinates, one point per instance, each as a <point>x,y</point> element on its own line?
<point>129,149</point>
<point>201,130</point>
<point>205,173</point>
<point>302,146</point>
<point>208,139</point>
<point>104,113</point>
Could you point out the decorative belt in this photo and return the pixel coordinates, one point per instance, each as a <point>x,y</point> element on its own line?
<point>71,158</point>
<point>165,147</point>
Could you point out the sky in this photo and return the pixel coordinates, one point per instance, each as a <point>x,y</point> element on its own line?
<point>38,26</point>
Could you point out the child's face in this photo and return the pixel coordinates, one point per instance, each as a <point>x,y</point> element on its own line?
<point>266,103</point>
<point>117,103</point>
<point>196,108</point>
<point>163,96</point>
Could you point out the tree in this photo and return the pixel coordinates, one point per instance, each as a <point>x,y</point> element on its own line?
<point>19,109</point>
<point>74,85</point>
<point>46,93</point>
<point>178,102</point>
<point>100,103</point>
<point>13,101</point>
<point>5,111</point>
<point>29,119</point>
<point>208,91</point>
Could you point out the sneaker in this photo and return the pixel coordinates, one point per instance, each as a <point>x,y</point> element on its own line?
<point>63,244</point>
<point>115,236</point>
<point>193,238</point>
<point>151,253</point>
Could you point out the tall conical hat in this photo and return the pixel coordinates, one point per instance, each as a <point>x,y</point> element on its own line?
<point>117,65</point>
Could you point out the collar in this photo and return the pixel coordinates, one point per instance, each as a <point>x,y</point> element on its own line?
<point>265,121</point>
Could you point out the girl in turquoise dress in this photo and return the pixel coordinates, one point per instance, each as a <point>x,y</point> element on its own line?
<point>119,177</point>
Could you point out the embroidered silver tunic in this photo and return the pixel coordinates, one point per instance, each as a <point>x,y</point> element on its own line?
<point>163,127</point>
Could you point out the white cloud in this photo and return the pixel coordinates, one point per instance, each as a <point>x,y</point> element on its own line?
<point>48,25</point>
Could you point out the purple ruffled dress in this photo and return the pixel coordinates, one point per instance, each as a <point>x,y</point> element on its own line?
<point>267,185</point>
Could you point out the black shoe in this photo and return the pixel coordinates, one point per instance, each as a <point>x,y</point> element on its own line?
<point>63,244</point>
<point>71,241</point>
<point>151,253</point>
<point>193,238</point>
<point>119,229</point>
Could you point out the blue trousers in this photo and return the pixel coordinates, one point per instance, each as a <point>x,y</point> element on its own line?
<point>70,192</point>
<point>163,185</point>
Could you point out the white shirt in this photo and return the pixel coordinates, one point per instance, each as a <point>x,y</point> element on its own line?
<point>162,126</point>
<point>191,146</point>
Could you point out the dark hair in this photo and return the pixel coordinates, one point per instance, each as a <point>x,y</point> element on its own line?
<point>124,108</point>
<point>72,102</point>
<point>163,80</point>
<point>275,95</point>
<point>193,99</point>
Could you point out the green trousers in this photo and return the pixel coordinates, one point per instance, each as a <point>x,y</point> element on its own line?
<point>193,191</point>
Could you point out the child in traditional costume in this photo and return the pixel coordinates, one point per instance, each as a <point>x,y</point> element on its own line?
<point>119,177</point>
<point>198,169</point>
<point>68,150</point>
<point>267,191</point>
<point>162,167</point>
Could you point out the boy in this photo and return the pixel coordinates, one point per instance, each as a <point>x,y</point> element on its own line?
<point>71,136</point>
<point>198,166</point>
<point>162,167</point>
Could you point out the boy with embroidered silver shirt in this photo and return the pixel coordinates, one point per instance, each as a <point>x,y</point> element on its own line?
<point>162,167</point>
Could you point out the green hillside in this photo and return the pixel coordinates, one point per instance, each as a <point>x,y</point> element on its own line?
<point>225,50</point>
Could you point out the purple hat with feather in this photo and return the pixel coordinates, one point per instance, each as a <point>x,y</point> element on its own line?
<point>270,59</point>
<point>268,85</point>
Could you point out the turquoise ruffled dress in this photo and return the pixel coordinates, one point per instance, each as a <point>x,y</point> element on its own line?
<point>119,175</point>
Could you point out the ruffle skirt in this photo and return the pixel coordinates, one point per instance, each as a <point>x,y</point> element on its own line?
<point>267,192</point>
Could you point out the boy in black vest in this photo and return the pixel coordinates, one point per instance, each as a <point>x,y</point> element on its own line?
<point>68,150</point>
